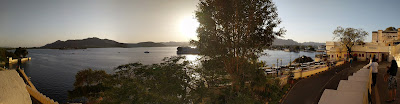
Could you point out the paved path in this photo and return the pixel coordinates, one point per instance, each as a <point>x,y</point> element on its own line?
<point>309,90</point>
<point>380,91</point>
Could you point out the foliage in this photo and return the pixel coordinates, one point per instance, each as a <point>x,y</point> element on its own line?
<point>3,56</point>
<point>391,29</point>
<point>171,81</point>
<point>232,35</point>
<point>167,82</point>
<point>303,59</point>
<point>349,36</point>
<point>311,48</point>
<point>89,83</point>
<point>21,52</point>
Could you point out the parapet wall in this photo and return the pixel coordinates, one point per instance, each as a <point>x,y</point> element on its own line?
<point>352,91</point>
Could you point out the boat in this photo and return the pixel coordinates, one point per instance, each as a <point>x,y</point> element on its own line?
<point>146,52</point>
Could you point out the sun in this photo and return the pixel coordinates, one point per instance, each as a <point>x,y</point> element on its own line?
<point>188,27</point>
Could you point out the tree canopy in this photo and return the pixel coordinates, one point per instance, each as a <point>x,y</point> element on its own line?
<point>3,56</point>
<point>348,37</point>
<point>391,29</point>
<point>303,59</point>
<point>232,35</point>
<point>21,52</point>
<point>171,81</point>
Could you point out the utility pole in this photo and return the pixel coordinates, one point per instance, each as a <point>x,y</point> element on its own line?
<point>277,64</point>
<point>290,61</point>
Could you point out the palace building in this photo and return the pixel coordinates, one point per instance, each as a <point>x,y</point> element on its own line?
<point>384,46</point>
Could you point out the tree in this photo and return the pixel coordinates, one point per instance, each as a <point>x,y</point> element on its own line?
<point>3,57</point>
<point>21,52</point>
<point>167,82</point>
<point>303,59</point>
<point>171,82</point>
<point>391,29</point>
<point>349,37</point>
<point>232,35</point>
<point>89,84</point>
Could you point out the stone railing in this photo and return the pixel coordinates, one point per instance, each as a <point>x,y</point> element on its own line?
<point>352,91</point>
<point>34,92</point>
<point>308,73</point>
<point>39,96</point>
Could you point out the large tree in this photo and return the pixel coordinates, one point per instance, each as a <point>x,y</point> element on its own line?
<point>232,35</point>
<point>349,37</point>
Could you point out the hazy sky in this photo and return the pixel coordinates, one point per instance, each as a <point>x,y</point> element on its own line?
<point>38,22</point>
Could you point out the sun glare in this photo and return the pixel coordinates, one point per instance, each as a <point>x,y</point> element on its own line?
<point>188,27</point>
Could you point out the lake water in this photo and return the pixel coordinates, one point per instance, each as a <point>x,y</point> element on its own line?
<point>53,71</point>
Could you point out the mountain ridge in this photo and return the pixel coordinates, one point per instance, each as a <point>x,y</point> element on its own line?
<point>279,41</point>
<point>95,42</point>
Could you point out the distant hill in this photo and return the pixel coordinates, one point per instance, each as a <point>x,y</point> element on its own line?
<point>285,42</point>
<point>292,42</point>
<point>84,43</point>
<point>176,43</point>
<point>105,43</point>
<point>312,43</point>
<point>145,44</point>
<point>97,43</point>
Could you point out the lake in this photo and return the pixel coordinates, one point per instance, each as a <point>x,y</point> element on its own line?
<point>53,71</point>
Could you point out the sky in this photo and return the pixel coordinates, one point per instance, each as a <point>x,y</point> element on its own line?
<point>34,23</point>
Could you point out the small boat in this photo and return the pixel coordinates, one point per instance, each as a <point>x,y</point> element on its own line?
<point>146,52</point>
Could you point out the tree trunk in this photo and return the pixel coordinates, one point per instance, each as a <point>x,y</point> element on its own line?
<point>349,52</point>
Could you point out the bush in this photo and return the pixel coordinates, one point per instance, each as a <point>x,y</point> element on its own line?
<point>303,59</point>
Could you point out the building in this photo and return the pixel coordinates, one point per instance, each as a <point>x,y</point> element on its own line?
<point>384,46</point>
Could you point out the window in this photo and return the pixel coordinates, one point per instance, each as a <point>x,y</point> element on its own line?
<point>362,55</point>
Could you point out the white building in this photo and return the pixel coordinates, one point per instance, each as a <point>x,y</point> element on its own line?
<point>383,46</point>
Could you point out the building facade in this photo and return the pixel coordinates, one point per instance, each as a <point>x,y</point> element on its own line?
<point>382,47</point>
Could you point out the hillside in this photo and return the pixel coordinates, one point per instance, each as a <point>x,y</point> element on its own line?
<point>292,42</point>
<point>84,43</point>
<point>175,43</point>
<point>105,43</point>
<point>97,43</point>
<point>285,42</point>
<point>145,44</point>
<point>312,43</point>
